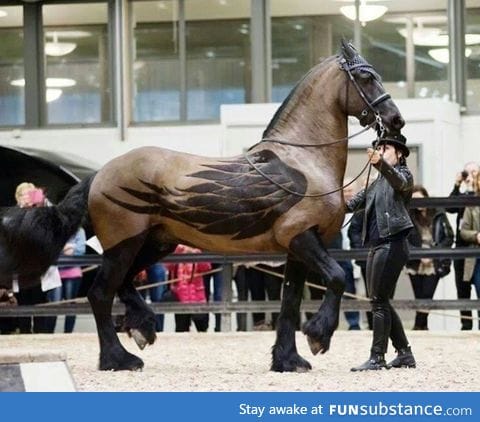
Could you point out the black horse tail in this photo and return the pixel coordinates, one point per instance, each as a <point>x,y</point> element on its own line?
<point>73,208</point>
<point>32,239</point>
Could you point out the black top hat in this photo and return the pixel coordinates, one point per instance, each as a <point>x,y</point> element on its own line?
<point>398,141</point>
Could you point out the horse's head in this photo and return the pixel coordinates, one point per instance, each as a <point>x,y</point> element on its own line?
<point>366,98</point>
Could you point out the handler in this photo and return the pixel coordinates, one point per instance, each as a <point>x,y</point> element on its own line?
<point>387,226</point>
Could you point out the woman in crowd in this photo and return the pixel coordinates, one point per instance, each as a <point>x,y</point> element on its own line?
<point>431,229</point>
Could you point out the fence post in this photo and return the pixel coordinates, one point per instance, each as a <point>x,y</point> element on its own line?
<point>227,278</point>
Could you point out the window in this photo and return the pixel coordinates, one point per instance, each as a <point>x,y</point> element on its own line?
<point>302,37</point>
<point>77,57</point>
<point>472,54</point>
<point>189,57</point>
<point>218,53</point>
<point>12,92</point>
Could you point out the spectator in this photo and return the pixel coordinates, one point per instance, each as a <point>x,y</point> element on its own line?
<point>216,292</point>
<point>261,284</point>
<point>352,317</point>
<point>156,273</point>
<point>189,289</point>
<point>431,229</point>
<point>355,236</point>
<point>464,185</point>
<point>28,195</point>
<point>72,276</point>
<point>470,234</point>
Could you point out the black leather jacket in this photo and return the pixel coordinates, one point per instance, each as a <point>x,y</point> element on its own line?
<point>390,194</point>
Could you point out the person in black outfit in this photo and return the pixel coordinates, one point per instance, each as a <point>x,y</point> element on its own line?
<point>431,230</point>
<point>464,185</point>
<point>355,235</point>
<point>387,226</point>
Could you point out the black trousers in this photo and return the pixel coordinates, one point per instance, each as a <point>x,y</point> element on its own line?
<point>183,322</point>
<point>463,292</point>
<point>424,287</point>
<point>384,265</point>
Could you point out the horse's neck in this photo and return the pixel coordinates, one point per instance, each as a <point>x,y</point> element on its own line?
<point>302,125</point>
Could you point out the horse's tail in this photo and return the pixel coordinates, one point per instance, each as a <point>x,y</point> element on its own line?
<point>73,208</point>
<point>32,239</point>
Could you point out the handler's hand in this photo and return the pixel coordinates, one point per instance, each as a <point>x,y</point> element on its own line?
<point>374,155</point>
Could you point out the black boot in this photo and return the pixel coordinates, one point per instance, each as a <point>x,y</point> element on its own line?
<point>376,362</point>
<point>404,359</point>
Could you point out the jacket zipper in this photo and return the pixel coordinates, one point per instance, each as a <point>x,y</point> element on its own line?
<point>388,222</point>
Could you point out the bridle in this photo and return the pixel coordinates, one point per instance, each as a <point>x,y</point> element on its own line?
<point>347,66</point>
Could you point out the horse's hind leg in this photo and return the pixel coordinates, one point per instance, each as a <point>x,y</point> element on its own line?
<point>116,262</point>
<point>285,357</point>
<point>309,247</point>
<point>139,318</point>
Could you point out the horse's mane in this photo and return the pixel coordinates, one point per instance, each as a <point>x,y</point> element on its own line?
<point>295,92</point>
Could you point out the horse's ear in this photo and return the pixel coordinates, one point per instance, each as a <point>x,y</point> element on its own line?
<point>348,50</point>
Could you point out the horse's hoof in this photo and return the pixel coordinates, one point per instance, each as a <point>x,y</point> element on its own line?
<point>128,363</point>
<point>139,338</point>
<point>315,346</point>
<point>293,363</point>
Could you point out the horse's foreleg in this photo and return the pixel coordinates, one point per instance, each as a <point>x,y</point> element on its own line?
<point>116,262</point>
<point>285,357</point>
<point>320,328</point>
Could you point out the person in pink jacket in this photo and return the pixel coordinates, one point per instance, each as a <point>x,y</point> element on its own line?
<point>189,289</point>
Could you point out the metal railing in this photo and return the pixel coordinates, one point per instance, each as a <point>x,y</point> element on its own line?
<point>226,306</point>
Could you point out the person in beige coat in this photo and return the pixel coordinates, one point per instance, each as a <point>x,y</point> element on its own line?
<point>470,233</point>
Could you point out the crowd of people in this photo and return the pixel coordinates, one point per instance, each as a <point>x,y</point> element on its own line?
<point>388,239</point>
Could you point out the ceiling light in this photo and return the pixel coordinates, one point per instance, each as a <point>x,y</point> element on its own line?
<point>442,55</point>
<point>50,82</point>
<point>368,12</point>
<point>3,13</point>
<point>53,94</point>
<point>56,48</point>
<point>68,34</point>
<point>434,37</point>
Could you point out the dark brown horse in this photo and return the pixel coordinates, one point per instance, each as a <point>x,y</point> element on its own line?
<point>272,199</point>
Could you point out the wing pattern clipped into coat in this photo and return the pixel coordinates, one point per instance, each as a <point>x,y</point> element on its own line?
<point>228,198</point>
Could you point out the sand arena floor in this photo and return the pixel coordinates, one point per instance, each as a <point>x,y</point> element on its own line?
<point>447,361</point>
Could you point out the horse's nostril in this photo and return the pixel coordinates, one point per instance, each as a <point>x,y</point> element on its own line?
<point>398,122</point>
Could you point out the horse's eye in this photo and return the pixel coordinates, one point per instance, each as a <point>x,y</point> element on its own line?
<point>366,76</point>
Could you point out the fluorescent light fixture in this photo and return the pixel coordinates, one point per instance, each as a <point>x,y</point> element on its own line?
<point>3,13</point>
<point>368,12</point>
<point>441,54</point>
<point>50,82</point>
<point>433,37</point>
<point>53,94</point>
<point>68,34</point>
<point>56,48</point>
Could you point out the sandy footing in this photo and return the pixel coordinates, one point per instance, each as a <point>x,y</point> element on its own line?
<point>447,361</point>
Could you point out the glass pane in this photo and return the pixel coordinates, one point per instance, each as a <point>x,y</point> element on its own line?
<point>156,61</point>
<point>385,48</point>
<point>302,36</point>
<point>218,53</point>
<point>472,53</point>
<point>12,82</point>
<point>76,52</point>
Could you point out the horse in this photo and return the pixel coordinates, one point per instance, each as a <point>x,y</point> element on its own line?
<point>284,195</point>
